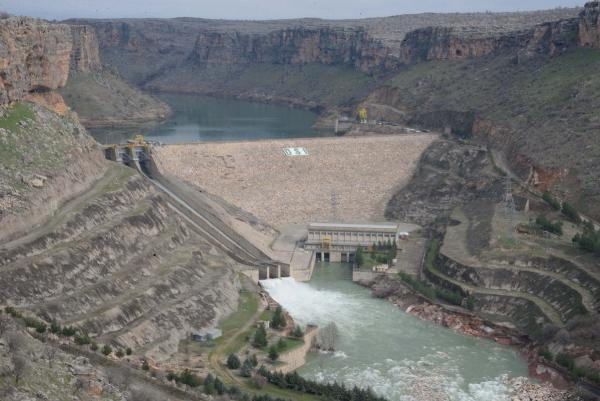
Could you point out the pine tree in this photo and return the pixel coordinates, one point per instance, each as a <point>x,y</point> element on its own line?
<point>273,353</point>
<point>278,320</point>
<point>298,333</point>
<point>233,362</point>
<point>260,337</point>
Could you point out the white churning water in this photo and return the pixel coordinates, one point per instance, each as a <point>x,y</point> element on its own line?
<point>398,355</point>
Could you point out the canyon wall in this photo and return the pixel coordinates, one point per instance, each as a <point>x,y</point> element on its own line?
<point>34,55</point>
<point>85,55</point>
<point>299,45</point>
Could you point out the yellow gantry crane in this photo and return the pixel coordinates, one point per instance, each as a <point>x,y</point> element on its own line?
<point>362,115</point>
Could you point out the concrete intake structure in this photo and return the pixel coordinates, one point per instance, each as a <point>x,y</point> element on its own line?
<point>337,242</point>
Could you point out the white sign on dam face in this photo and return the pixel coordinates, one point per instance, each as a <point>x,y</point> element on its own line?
<point>295,151</point>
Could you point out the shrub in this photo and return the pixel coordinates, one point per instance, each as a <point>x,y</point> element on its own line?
<point>219,386</point>
<point>94,346</point>
<point>188,378</point>
<point>298,333</point>
<point>253,360</point>
<point>233,362</point>
<point>260,337</point>
<point>12,311</point>
<point>145,365</point>
<point>129,351</point>
<point>119,354</point>
<point>278,320</point>
<point>589,239</point>
<point>55,327</point>
<point>246,370</point>
<point>552,227</point>
<point>281,344</point>
<point>551,200</point>
<point>273,353</point>
<point>82,339</point>
<point>171,376</point>
<point>565,361</point>
<point>106,350</point>
<point>570,212</point>
<point>68,331</point>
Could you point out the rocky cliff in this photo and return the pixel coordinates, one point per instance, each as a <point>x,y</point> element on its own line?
<point>85,55</point>
<point>34,56</point>
<point>589,25</point>
<point>295,45</point>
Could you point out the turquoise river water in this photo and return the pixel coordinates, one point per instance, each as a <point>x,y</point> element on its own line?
<point>398,355</point>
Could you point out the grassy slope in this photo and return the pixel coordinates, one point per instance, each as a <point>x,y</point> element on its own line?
<point>550,103</point>
<point>101,98</point>
<point>30,144</point>
<point>325,85</point>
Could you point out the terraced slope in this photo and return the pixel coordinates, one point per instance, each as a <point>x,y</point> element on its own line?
<point>122,265</point>
<point>512,281</point>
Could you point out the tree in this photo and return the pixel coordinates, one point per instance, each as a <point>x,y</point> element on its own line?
<point>281,344</point>
<point>260,337</point>
<point>298,333</point>
<point>106,350</point>
<point>119,354</point>
<point>233,362</point>
<point>360,257</point>
<point>94,346</point>
<point>145,365</point>
<point>570,212</point>
<point>278,320</point>
<point>128,351</point>
<point>273,353</point>
<point>219,386</point>
<point>253,360</point>
<point>246,370</point>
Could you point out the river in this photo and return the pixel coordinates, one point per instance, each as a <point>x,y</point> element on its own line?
<point>398,355</point>
<point>202,118</point>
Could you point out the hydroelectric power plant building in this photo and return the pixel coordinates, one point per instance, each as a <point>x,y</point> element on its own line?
<point>336,242</point>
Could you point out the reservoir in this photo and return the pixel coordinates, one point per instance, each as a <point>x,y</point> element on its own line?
<point>398,355</point>
<point>202,118</point>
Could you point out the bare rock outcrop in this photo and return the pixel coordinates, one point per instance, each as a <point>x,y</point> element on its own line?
<point>34,56</point>
<point>85,56</point>
<point>589,25</point>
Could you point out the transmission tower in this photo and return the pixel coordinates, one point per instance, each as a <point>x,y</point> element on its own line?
<point>509,208</point>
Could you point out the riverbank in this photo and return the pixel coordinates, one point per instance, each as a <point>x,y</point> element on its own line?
<point>554,386</point>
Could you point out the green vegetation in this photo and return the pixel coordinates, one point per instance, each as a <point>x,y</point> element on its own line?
<point>82,339</point>
<point>297,332</point>
<point>589,239</point>
<point>545,353</point>
<point>551,200</point>
<point>260,337</point>
<point>119,354</point>
<point>278,320</point>
<point>546,225</point>
<point>145,365</point>
<point>39,326</point>
<point>16,114</point>
<point>106,350</point>
<point>330,391</point>
<point>233,362</point>
<point>538,99</point>
<point>570,213</point>
<point>273,353</point>
<point>128,351</point>
<point>323,84</point>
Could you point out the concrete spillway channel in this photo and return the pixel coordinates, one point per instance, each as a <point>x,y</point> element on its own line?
<point>200,218</point>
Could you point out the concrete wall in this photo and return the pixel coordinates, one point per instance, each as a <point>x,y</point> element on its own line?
<point>296,358</point>
<point>253,274</point>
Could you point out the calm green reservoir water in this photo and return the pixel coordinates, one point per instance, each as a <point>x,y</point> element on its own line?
<point>202,118</point>
<point>398,355</point>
